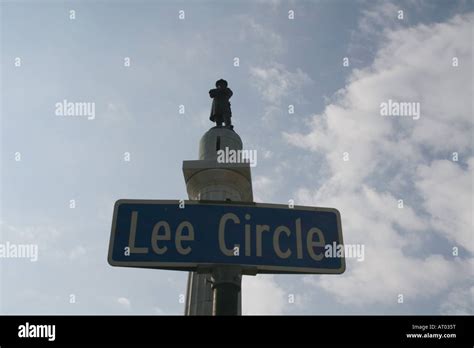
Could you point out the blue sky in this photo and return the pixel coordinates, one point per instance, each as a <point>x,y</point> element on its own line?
<point>175,62</point>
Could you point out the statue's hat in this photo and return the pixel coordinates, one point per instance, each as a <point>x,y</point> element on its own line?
<point>221,82</point>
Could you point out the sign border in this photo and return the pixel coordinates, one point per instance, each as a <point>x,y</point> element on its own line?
<point>246,269</point>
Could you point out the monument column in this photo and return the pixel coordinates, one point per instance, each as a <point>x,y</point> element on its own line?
<point>207,179</point>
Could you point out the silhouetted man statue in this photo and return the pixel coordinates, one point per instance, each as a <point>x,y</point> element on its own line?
<point>220,111</point>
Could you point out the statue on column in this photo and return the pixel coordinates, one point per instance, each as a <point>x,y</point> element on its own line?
<point>220,110</point>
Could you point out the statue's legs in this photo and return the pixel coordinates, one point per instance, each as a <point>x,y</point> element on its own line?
<point>219,120</point>
<point>227,121</point>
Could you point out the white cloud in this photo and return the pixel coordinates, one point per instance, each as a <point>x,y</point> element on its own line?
<point>158,311</point>
<point>393,158</point>
<point>447,196</point>
<point>271,3</point>
<point>263,188</point>
<point>275,82</point>
<point>116,112</point>
<point>374,22</point>
<point>264,39</point>
<point>352,123</point>
<point>381,15</point>
<point>262,296</point>
<point>125,302</point>
<point>30,233</point>
<point>267,154</point>
<point>77,252</point>
<point>371,218</point>
<point>459,302</point>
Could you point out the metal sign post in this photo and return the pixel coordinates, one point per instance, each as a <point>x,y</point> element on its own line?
<point>226,286</point>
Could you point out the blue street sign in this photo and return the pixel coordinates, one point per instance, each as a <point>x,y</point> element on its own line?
<point>193,235</point>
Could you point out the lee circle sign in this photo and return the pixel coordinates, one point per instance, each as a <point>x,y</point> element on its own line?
<point>189,235</point>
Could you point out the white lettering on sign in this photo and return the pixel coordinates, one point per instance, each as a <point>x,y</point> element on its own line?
<point>133,234</point>
<point>162,232</point>
<point>276,242</point>
<point>155,237</point>
<point>226,251</point>
<point>180,237</point>
<point>314,238</point>
<point>185,235</point>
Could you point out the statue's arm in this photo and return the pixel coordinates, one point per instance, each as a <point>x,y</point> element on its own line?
<point>219,93</point>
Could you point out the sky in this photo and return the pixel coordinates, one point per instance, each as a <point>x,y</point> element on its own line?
<point>336,149</point>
